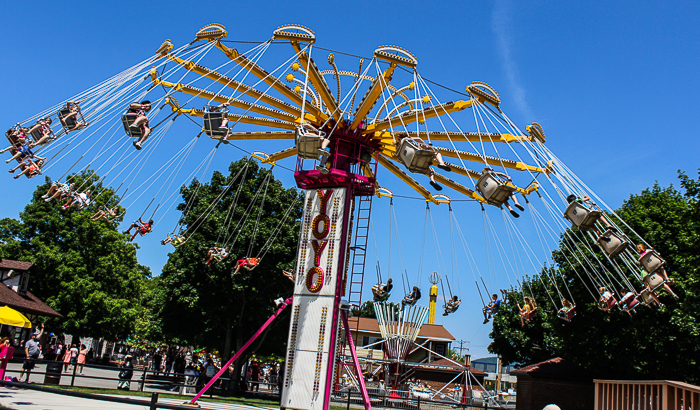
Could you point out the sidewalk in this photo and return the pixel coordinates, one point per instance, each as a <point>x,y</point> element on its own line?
<point>21,399</point>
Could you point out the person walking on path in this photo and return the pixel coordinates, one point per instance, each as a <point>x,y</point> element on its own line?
<point>81,358</point>
<point>31,349</point>
<point>6,353</point>
<point>66,358</point>
<point>126,373</point>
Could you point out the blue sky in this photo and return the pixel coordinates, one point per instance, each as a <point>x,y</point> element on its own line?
<point>614,85</point>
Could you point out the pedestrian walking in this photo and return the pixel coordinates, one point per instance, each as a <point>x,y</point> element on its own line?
<point>126,373</point>
<point>31,350</point>
<point>81,358</point>
<point>6,353</point>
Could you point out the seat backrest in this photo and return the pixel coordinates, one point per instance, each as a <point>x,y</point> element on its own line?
<point>493,189</point>
<point>581,216</point>
<point>127,120</point>
<point>646,297</point>
<point>307,143</point>
<point>67,122</point>
<point>654,281</point>
<point>212,122</point>
<point>414,157</point>
<point>651,261</point>
<point>611,243</point>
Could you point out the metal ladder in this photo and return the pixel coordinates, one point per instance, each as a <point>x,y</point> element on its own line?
<point>359,253</point>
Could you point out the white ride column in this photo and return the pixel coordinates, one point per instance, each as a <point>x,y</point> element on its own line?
<point>313,331</point>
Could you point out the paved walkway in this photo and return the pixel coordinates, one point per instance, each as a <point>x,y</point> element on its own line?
<point>21,399</point>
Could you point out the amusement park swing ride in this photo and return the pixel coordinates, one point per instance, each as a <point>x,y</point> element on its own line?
<point>346,129</point>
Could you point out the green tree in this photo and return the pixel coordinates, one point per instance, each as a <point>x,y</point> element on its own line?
<point>207,305</point>
<point>85,270</point>
<point>656,343</point>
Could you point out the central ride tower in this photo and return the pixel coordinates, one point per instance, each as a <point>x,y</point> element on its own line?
<point>347,173</point>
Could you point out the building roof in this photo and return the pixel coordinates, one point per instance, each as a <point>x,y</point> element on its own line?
<point>26,304</point>
<point>432,332</point>
<point>554,368</point>
<point>16,265</point>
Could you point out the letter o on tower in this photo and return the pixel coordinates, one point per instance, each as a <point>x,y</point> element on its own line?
<point>314,279</point>
<point>315,226</point>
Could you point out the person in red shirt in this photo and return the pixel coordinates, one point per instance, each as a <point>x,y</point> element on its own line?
<point>247,263</point>
<point>142,228</point>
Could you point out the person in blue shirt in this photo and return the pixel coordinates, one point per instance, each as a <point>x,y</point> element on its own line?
<point>492,308</point>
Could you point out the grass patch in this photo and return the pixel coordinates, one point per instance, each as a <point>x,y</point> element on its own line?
<point>256,402</point>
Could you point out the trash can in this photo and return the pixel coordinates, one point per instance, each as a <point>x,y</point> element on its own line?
<point>53,373</point>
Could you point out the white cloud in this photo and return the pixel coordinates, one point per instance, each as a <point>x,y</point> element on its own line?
<point>501,24</point>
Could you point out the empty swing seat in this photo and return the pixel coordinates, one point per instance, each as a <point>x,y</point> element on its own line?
<point>308,142</point>
<point>415,156</point>
<point>651,261</point>
<point>581,216</point>
<point>495,191</point>
<point>212,122</point>
<point>127,120</point>
<point>614,246</point>
<point>653,281</point>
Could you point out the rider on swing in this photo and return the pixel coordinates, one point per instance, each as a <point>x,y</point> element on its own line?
<point>411,298</point>
<point>247,263</point>
<point>381,291</point>
<point>217,254</point>
<point>175,239</point>
<point>142,228</point>
<point>452,305</point>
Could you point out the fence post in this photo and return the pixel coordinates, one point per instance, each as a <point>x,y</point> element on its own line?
<point>418,407</point>
<point>143,377</point>
<point>75,367</point>
<point>349,393</point>
<point>154,401</point>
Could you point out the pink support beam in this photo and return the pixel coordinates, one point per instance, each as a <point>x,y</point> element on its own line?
<point>356,363</point>
<point>241,350</point>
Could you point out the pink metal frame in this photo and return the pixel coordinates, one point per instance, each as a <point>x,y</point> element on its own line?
<point>356,363</point>
<point>241,350</point>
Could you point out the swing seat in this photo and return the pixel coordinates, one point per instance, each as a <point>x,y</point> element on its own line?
<point>568,315</point>
<point>308,142</point>
<point>646,297</point>
<point>37,135</point>
<point>494,191</point>
<point>614,246</point>
<point>69,124</point>
<point>651,261</point>
<point>581,216</point>
<point>629,305</point>
<point>128,119</point>
<point>452,308</point>
<point>606,304</point>
<point>529,315</point>
<point>12,138</point>
<point>414,156</point>
<point>212,122</point>
<point>653,281</point>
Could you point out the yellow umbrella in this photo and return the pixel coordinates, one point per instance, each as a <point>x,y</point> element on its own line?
<point>11,317</point>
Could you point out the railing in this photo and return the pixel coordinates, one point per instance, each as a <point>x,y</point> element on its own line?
<point>402,399</point>
<point>645,395</point>
<point>106,377</point>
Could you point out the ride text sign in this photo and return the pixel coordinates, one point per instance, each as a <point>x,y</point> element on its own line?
<point>313,324</point>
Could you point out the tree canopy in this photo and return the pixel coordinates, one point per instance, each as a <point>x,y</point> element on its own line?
<point>85,270</point>
<point>205,304</point>
<point>656,343</point>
